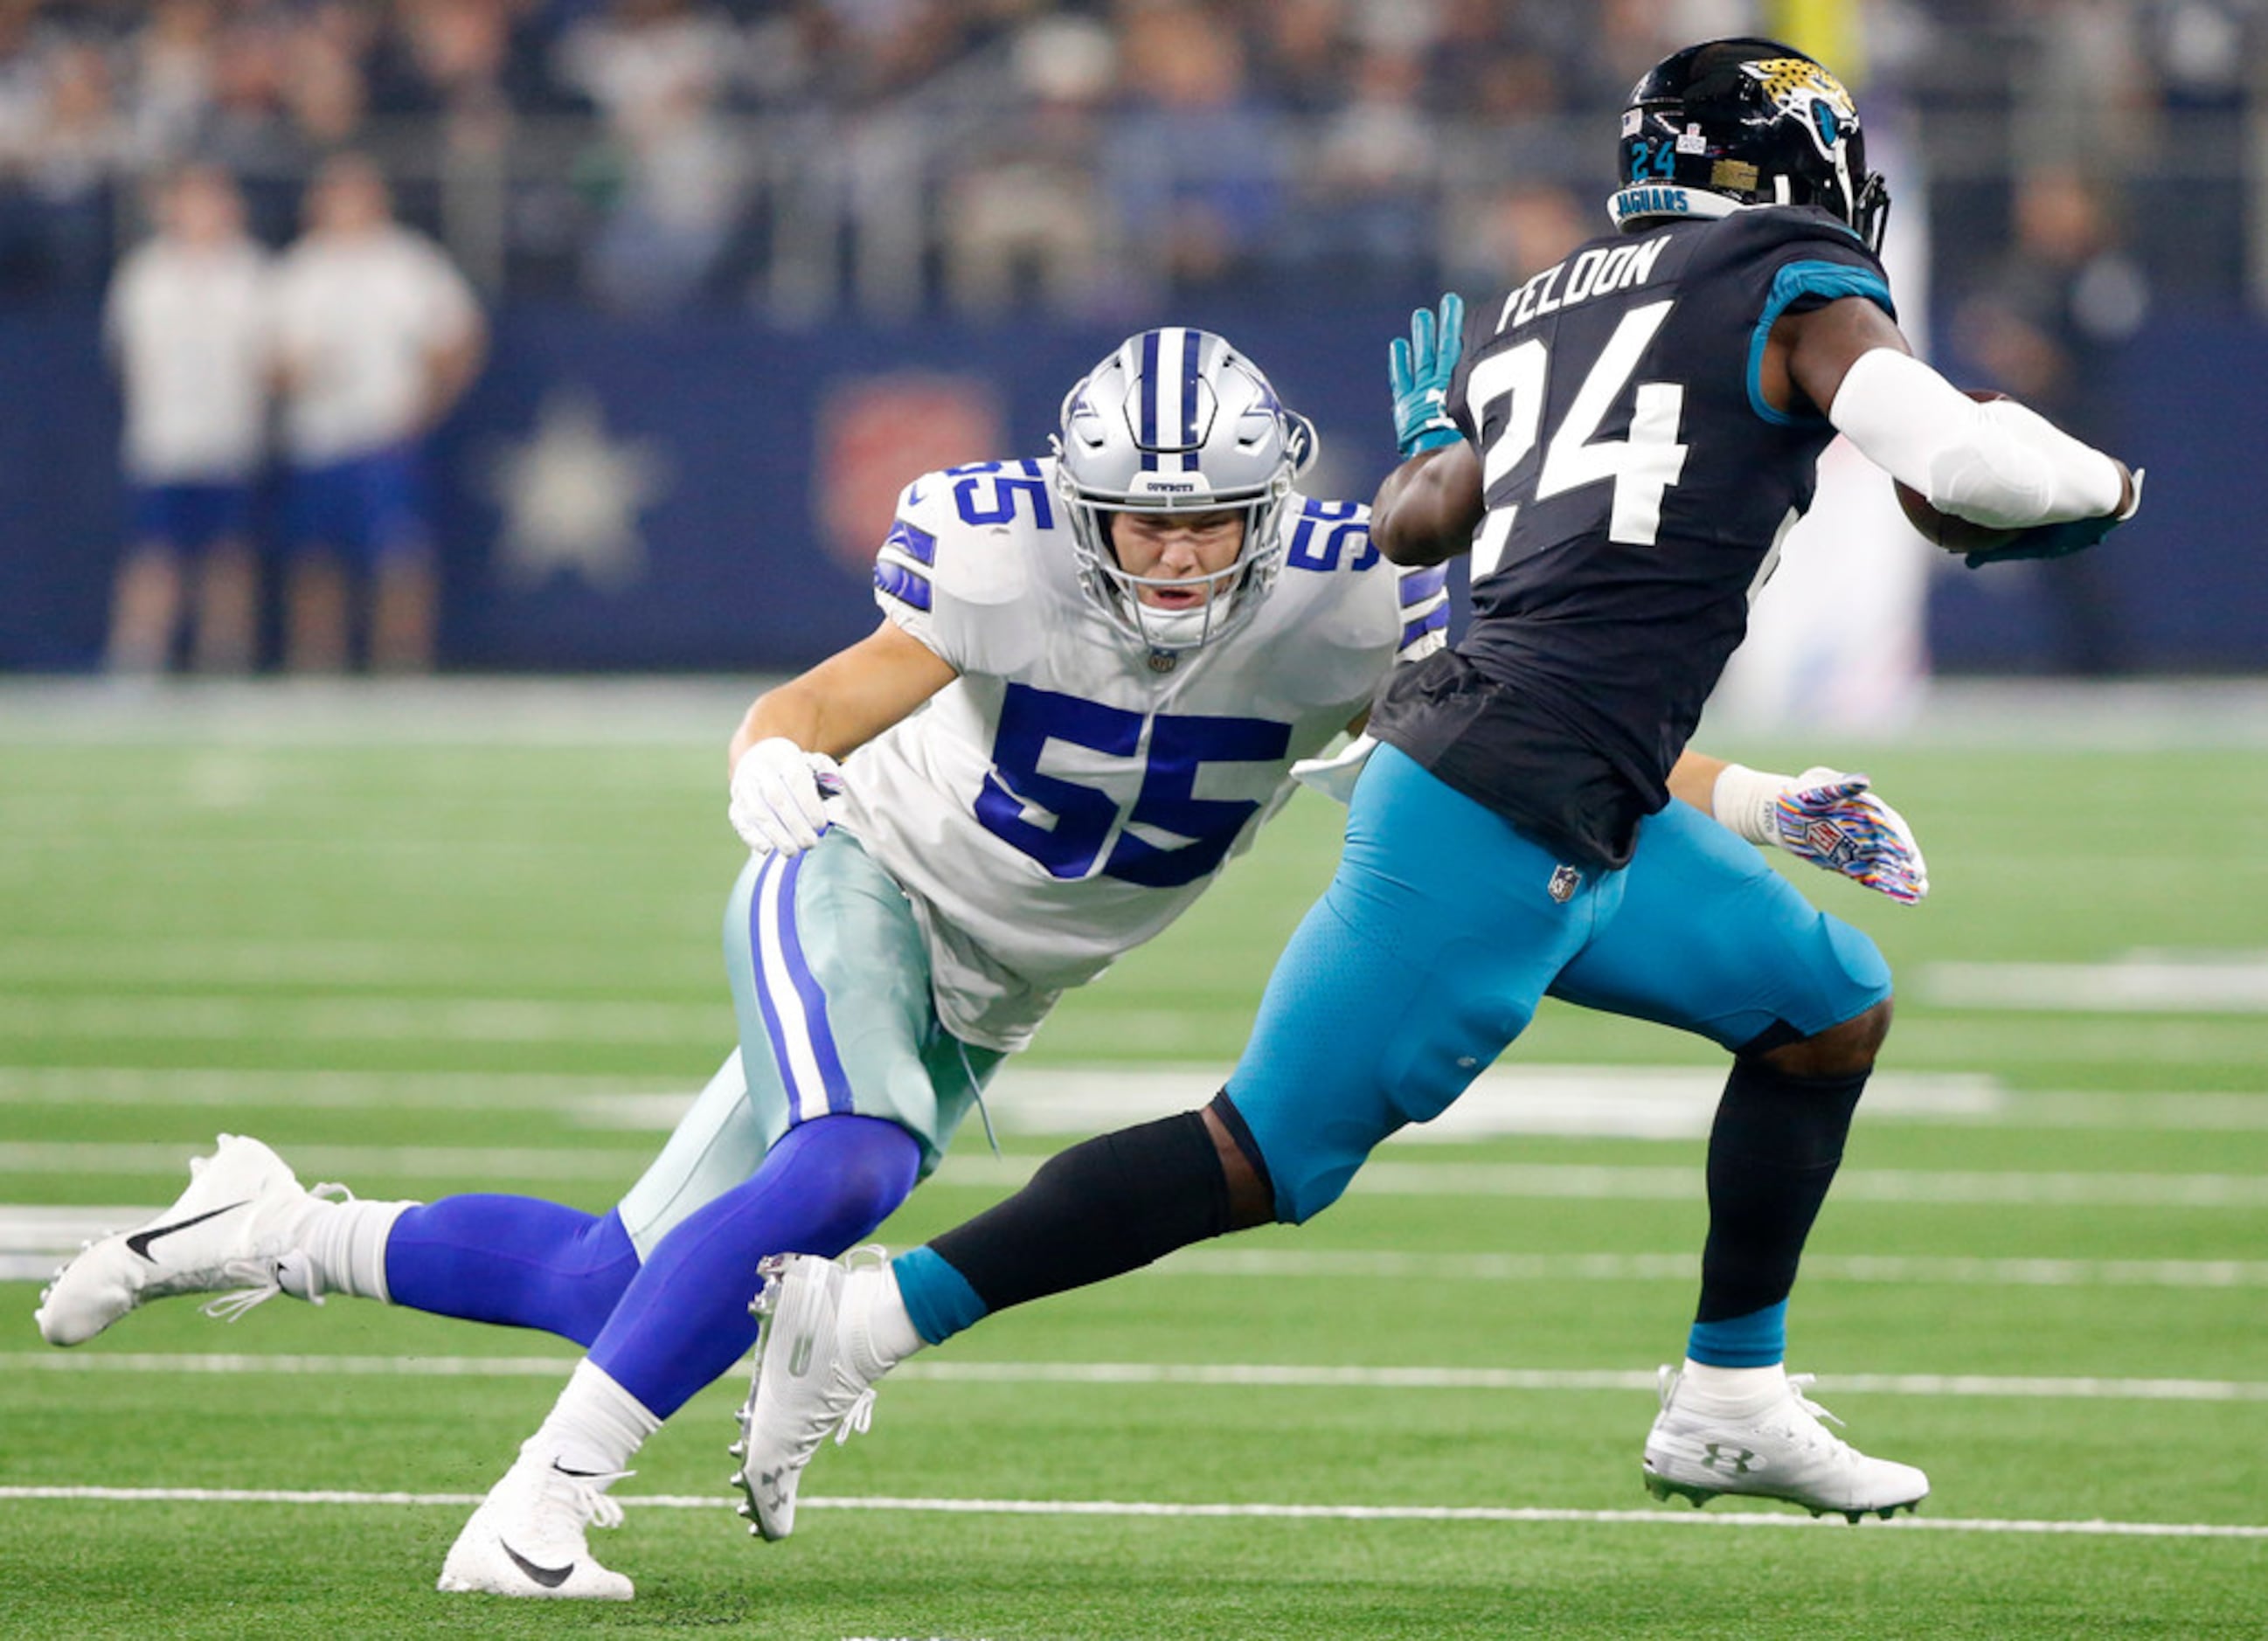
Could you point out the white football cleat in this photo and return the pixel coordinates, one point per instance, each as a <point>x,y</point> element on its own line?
<point>527,1537</point>
<point>813,1378</point>
<point>232,1232</point>
<point>1783,1451</point>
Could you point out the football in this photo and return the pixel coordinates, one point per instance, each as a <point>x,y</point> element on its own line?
<point>1949,531</point>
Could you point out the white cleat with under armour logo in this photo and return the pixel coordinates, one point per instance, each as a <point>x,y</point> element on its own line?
<point>528,1538</point>
<point>232,1232</point>
<point>1781,1450</point>
<point>815,1374</point>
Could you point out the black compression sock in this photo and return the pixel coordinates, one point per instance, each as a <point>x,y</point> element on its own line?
<point>1773,1151</point>
<point>1107,1206</point>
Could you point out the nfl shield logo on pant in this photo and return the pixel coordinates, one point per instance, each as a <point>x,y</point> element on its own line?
<point>1565,881</point>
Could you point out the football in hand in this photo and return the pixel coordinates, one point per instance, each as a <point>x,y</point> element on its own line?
<point>1950,531</point>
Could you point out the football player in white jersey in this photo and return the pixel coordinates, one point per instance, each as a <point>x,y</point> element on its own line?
<point>1092,680</point>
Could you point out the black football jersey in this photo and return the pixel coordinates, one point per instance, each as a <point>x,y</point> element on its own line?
<point>1637,488</point>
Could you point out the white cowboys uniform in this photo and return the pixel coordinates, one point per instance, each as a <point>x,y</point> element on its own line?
<point>1069,796</point>
<point>1060,803</point>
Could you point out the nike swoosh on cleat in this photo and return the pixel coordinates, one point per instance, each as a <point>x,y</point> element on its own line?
<point>141,1239</point>
<point>549,1577</point>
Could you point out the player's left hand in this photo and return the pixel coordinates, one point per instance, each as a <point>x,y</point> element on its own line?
<point>1420,370</point>
<point>2054,541</point>
<point>1832,820</point>
<point>777,796</point>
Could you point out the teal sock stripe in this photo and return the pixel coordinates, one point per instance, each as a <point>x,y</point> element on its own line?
<point>1758,1340</point>
<point>937,1298</point>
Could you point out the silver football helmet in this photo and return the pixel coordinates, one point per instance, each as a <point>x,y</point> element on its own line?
<point>1176,420</point>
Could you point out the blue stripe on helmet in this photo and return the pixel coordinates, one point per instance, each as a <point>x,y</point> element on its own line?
<point>1188,440</point>
<point>1145,435</point>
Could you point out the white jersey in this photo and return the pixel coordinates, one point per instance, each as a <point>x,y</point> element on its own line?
<point>188,327</point>
<point>1063,801</point>
<point>358,317</point>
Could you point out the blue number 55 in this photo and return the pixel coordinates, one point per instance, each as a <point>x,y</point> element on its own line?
<point>1083,817</point>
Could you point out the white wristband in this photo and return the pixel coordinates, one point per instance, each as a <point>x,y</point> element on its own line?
<point>1744,799</point>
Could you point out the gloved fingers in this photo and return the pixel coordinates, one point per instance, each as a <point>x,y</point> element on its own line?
<point>756,827</point>
<point>1825,799</point>
<point>794,802</point>
<point>1421,339</point>
<point>1453,325</point>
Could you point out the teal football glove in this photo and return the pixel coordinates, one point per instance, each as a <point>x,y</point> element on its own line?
<point>1420,370</point>
<point>2054,541</point>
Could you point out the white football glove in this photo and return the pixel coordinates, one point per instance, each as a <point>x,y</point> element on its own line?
<point>777,788</point>
<point>1829,818</point>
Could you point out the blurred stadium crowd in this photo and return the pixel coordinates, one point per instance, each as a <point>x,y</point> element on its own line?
<point>799,157</point>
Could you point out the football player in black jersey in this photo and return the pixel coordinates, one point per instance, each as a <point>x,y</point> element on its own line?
<point>1620,443</point>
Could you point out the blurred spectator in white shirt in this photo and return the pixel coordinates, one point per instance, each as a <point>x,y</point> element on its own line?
<point>378,336</point>
<point>187,325</point>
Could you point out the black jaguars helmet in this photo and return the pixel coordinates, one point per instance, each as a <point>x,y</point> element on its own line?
<point>1731,123</point>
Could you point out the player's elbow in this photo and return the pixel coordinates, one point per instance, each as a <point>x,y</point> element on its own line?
<point>1427,510</point>
<point>1399,543</point>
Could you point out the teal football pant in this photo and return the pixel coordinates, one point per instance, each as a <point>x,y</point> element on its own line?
<point>1444,927</point>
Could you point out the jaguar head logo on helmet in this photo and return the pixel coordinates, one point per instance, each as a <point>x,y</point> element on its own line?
<point>1174,463</point>
<point>1731,123</point>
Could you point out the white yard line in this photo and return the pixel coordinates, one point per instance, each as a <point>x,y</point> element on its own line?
<point>571,1094</point>
<point>1402,1176</point>
<point>1279,1376</point>
<point>33,1240</point>
<point>1341,1264</point>
<point>2173,982</point>
<point>2020,714</point>
<point>1517,1515</point>
<point>1611,1101</point>
<point>641,711</point>
<point>452,1163</point>
<point>266,1017</point>
<point>106,962</point>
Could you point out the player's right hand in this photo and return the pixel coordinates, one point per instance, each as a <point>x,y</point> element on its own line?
<point>1419,369</point>
<point>777,792</point>
<point>2055,541</point>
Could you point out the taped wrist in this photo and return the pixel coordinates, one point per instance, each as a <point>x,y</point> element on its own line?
<point>1105,1207</point>
<point>1745,800</point>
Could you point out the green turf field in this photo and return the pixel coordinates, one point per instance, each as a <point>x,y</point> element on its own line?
<point>432,943</point>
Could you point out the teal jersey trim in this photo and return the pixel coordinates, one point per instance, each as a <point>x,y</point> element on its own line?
<point>1830,280</point>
